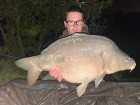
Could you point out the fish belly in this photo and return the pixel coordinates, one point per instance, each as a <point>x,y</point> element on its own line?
<point>80,70</point>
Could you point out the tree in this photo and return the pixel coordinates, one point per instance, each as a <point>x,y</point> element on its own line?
<point>31,25</point>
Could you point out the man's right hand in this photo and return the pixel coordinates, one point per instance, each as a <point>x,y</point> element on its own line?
<point>55,72</point>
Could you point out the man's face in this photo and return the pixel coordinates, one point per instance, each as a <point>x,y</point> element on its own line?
<point>74,22</point>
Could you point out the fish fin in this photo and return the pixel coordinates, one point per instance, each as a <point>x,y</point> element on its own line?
<point>82,88</point>
<point>28,63</point>
<point>33,76</point>
<point>24,63</point>
<point>99,79</point>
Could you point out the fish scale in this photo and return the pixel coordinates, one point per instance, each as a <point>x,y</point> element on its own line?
<point>81,58</point>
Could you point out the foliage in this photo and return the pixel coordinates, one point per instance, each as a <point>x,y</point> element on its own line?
<point>28,26</point>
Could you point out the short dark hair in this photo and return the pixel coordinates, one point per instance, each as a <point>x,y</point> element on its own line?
<point>74,9</point>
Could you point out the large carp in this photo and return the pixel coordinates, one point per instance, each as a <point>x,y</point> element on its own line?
<point>81,58</point>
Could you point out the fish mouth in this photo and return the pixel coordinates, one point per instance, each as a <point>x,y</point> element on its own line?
<point>132,67</point>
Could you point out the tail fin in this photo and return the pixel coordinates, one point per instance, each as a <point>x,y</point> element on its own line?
<point>31,66</point>
<point>33,76</point>
<point>25,63</point>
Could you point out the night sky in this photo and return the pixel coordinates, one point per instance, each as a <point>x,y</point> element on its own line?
<point>124,29</point>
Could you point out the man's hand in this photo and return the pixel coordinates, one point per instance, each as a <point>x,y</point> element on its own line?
<point>55,72</point>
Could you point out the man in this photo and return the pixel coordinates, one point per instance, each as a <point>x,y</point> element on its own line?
<point>74,22</point>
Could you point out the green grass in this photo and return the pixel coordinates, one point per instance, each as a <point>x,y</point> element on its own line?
<point>9,71</point>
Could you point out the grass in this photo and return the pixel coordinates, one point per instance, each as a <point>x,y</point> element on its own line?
<point>9,71</point>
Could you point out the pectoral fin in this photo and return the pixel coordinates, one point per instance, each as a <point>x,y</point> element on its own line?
<point>33,76</point>
<point>99,79</point>
<point>82,88</point>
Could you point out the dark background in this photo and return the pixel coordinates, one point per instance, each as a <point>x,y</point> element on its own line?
<point>124,29</point>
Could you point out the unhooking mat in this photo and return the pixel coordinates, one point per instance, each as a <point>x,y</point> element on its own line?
<point>51,92</point>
